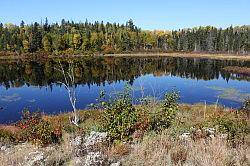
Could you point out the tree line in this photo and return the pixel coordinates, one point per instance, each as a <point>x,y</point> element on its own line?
<point>69,37</point>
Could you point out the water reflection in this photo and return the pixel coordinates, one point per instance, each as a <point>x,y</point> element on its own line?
<point>34,83</point>
<point>108,70</point>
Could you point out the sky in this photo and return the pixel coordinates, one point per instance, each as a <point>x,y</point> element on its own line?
<point>147,14</point>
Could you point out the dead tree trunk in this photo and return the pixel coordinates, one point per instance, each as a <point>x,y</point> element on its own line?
<point>69,84</point>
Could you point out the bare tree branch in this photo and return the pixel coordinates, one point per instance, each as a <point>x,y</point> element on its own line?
<point>69,84</point>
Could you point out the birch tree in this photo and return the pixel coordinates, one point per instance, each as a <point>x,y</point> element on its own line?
<point>69,84</point>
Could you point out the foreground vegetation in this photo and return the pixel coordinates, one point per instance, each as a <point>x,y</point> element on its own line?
<point>152,133</point>
<point>100,38</point>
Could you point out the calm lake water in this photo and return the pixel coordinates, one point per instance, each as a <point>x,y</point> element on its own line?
<point>34,83</point>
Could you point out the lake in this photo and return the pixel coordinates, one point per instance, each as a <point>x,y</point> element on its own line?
<point>34,84</point>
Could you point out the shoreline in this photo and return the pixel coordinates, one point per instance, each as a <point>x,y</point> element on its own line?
<point>216,56</point>
<point>65,115</point>
<point>185,55</point>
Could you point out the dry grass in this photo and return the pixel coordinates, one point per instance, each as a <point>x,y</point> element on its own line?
<point>55,154</point>
<point>152,150</point>
<point>118,151</point>
<point>10,128</point>
<point>16,155</point>
<point>187,55</point>
<point>160,150</point>
<point>217,153</point>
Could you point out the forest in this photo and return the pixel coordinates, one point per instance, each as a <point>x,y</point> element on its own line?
<point>88,38</point>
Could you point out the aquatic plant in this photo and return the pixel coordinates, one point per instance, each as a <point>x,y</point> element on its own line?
<point>230,93</point>
<point>10,98</point>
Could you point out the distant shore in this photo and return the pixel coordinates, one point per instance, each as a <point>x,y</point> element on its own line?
<point>219,56</point>
<point>186,55</point>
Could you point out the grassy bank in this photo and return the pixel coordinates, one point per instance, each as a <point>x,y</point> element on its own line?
<point>149,146</point>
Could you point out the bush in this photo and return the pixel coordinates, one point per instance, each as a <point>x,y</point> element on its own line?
<point>124,121</point>
<point>236,127</point>
<point>29,119</point>
<point>35,129</point>
<point>164,116</point>
<point>121,117</point>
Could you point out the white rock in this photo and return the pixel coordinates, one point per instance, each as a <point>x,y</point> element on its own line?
<point>76,141</point>
<point>3,148</point>
<point>223,136</point>
<point>116,164</point>
<point>94,138</point>
<point>94,158</point>
<point>211,136</point>
<point>184,136</point>
<point>210,131</point>
<point>34,158</point>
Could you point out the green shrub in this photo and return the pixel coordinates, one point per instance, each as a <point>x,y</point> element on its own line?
<point>121,117</point>
<point>236,127</point>
<point>164,116</point>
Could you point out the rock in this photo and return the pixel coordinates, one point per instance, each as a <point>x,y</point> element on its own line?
<point>94,159</point>
<point>77,141</point>
<point>223,136</point>
<point>210,131</point>
<point>185,136</point>
<point>94,141</point>
<point>116,164</point>
<point>34,158</point>
<point>94,138</point>
<point>77,144</point>
<point>211,136</point>
<point>3,148</point>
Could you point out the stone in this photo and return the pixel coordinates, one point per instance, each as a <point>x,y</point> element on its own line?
<point>77,141</point>
<point>95,137</point>
<point>3,148</point>
<point>184,136</point>
<point>94,159</point>
<point>34,158</point>
<point>210,131</point>
<point>223,136</point>
<point>116,164</point>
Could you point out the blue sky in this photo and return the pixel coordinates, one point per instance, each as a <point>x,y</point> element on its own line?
<point>147,14</point>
